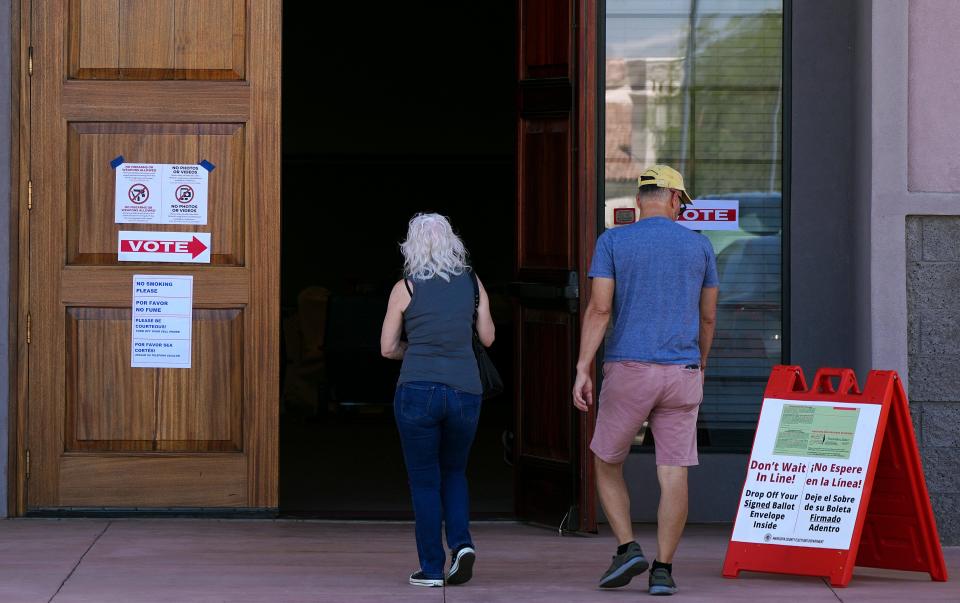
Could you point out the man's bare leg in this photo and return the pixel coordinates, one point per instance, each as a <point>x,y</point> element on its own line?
<point>629,560</point>
<point>615,499</point>
<point>672,514</point>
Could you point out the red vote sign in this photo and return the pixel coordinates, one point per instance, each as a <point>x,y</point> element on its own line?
<point>708,215</point>
<point>711,214</point>
<point>194,247</point>
<point>138,246</point>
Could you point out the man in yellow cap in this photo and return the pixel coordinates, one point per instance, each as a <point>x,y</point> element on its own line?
<point>658,282</point>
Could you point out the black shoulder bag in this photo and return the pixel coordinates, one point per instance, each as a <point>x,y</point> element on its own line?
<point>489,377</point>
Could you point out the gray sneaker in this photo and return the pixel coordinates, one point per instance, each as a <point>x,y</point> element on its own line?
<point>661,582</point>
<point>625,567</point>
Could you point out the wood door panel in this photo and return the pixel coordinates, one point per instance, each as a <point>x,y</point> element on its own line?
<point>544,214</point>
<point>210,39</point>
<point>225,196</point>
<point>157,39</point>
<point>113,407</point>
<point>95,43</point>
<point>547,493</point>
<point>545,39</point>
<point>106,401</point>
<point>204,404</point>
<point>216,480</point>
<point>191,102</point>
<point>113,285</point>
<point>557,45</point>
<point>546,358</point>
<point>91,231</point>
<point>146,38</point>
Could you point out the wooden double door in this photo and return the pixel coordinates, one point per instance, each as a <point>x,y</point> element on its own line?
<point>182,81</point>
<point>153,81</point>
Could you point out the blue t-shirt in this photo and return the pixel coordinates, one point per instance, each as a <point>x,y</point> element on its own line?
<point>659,268</point>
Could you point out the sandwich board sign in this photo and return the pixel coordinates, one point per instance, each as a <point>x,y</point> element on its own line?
<point>834,480</point>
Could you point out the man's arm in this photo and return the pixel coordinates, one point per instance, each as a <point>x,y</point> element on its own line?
<point>708,321</point>
<point>595,321</point>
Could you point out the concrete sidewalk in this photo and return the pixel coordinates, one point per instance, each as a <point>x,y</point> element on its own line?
<point>174,560</point>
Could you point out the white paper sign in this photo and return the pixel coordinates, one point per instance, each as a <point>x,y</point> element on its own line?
<point>151,246</point>
<point>137,194</point>
<point>711,214</point>
<point>806,473</point>
<point>162,321</point>
<point>160,193</point>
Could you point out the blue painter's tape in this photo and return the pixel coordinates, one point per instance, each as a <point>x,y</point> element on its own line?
<point>207,165</point>
<point>117,161</point>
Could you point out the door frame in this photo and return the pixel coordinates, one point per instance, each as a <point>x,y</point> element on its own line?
<point>19,254</point>
<point>589,142</point>
<point>588,35</point>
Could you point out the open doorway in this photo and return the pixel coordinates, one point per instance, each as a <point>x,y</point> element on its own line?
<point>387,111</point>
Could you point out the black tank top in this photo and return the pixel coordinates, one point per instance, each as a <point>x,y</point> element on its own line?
<point>439,326</point>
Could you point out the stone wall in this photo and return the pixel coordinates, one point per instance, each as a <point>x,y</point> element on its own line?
<point>933,315</point>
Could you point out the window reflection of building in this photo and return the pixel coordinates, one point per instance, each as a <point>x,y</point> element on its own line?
<point>642,103</point>
<point>697,84</point>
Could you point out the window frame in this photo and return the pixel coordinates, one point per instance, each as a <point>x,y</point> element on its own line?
<point>703,440</point>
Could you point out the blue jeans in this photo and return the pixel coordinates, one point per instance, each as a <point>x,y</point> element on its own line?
<point>437,424</point>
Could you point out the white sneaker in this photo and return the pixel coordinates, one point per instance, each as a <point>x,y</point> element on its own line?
<point>418,578</point>
<point>461,565</point>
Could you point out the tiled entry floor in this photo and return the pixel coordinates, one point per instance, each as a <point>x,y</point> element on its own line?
<point>175,560</point>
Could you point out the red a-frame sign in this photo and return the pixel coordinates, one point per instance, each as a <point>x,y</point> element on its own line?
<point>894,526</point>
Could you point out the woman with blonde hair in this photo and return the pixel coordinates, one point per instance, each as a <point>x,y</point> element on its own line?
<point>437,402</point>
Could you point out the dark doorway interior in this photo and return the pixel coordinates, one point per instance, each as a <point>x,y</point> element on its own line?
<point>388,109</point>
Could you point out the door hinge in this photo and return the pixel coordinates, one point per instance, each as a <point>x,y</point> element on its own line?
<point>29,327</point>
<point>29,195</point>
<point>28,464</point>
<point>30,60</point>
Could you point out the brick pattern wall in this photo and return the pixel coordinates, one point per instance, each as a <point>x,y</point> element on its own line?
<point>933,316</point>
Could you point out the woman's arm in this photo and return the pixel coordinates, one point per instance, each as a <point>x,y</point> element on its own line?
<point>485,328</point>
<point>390,344</point>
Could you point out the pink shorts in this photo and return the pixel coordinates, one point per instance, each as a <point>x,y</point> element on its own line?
<point>666,395</point>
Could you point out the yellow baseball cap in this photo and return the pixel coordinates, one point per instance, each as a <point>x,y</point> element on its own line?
<point>665,176</point>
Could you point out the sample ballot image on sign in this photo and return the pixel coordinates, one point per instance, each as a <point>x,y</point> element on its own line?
<point>162,321</point>
<point>824,431</point>
<point>806,474</point>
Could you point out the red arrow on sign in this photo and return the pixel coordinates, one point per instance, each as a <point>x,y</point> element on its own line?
<point>194,247</point>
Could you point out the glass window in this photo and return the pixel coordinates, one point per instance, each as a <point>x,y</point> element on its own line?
<point>697,84</point>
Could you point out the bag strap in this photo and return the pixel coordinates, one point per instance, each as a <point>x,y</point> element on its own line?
<point>476,299</point>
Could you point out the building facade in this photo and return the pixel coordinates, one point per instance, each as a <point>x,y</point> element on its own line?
<point>830,121</point>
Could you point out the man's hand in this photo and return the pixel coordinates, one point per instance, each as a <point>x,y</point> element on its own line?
<point>595,321</point>
<point>583,391</point>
